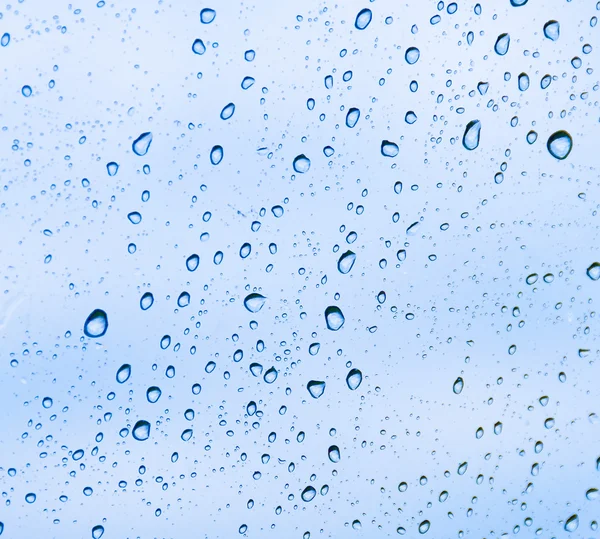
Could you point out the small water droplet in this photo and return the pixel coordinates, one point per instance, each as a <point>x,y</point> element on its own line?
<point>334,318</point>
<point>352,117</point>
<point>301,164</point>
<point>96,324</point>
<point>424,526</point>
<point>153,393</point>
<point>472,135</point>
<point>523,82</point>
<point>316,388</point>
<point>141,145</point>
<point>346,262</point>
<point>97,531</point>
<point>146,301</point>
<point>216,154</point>
<point>198,46</point>
<point>572,523</point>
<point>135,217</point>
<point>308,494</point>
<point>26,91</point>
<point>354,379</point>
<point>227,111</point>
<point>593,272</point>
<point>183,300</point>
<point>141,430</point>
<point>112,168</point>
<point>124,373</point>
<point>270,376</point>
<point>334,453</point>
<point>458,386</point>
<point>412,55</point>
<point>363,19</point>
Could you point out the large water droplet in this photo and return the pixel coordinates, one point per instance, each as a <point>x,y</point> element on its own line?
<point>316,388</point>
<point>412,55</point>
<point>216,154</point>
<point>141,430</point>
<point>198,46</point>
<point>389,149</point>
<point>301,164</point>
<point>560,144</point>
<point>254,302</point>
<point>346,262</point>
<point>593,272</point>
<point>308,494</point>
<point>97,531</point>
<point>334,453</point>
<point>472,134</point>
<point>352,117</point>
<point>334,318</point>
<point>124,373</point>
<point>146,301</point>
<point>363,19</point>
<point>135,217</point>
<point>207,15</point>
<point>523,82</point>
<point>552,30</point>
<point>112,168</point>
<point>192,262</point>
<point>153,393</point>
<point>141,145</point>
<point>424,526</point>
<point>354,379</point>
<point>96,324</point>
<point>271,375</point>
<point>502,44</point>
<point>227,111</point>
<point>458,385</point>
<point>183,300</point>
<point>572,523</point>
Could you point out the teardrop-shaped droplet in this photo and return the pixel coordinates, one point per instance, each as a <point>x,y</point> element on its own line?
<point>424,526</point>
<point>531,137</point>
<point>572,523</point>
<point>346,262</point>
<point>334,453</point>
<point>523,82</point>
<point>472,135</point>
<point>354,379</point>
<point>153,393</point>
<point>198,46</point>
<point>207,15</point>
<point>183,300</point>
<point>146,301</point>
<point>458,385</point>
<point>334,318</point>
<point>254,302</point>
<point>112,168</point>
<point>96,324</point>
<point>462,468</point>
<point>141,145</point>
<point>271,375</point>
<point>124,373</point>
<point>502,44</point>
<point>316,388</point>
<point>545,82</point>
<point>141,430</point>
<point>412,55</point>
<point>97,531</point>
<point>227,111</point>
<point>308,494</point>
<point>352,117</point>
<point>593,272</point>
<point>216,154</point>
<point>314,348</point>
<point>363,19</point>
<point>192,262</point>
<point>389,149</point>
<point>560,144</point>
<point>552,30</point>
<point>301,164</point>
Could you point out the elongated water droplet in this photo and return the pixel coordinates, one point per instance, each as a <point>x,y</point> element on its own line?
<point>141,145</point>
<point>354,379</point>
<point>424,526</point>
<point>363,19</point>
<point>198,46</point>
<point>472,135</point>
<point>334,318</point>
<point>308,494</point>
<point>462,468</point>
<point>216,154</point>
<point>458,385</point>
<point>389,149</point>
<point>523,82</point>
<point>141,430</point>
<point>153,393</point>
<point>593,272</point>
<point>146,301</point>
<point>247,82</point>
<point>346,262</point>
<point>207,15</point>
<point>552,30</point>
<point>254,302</point>
<point>572,523</point>
<point>334,453</point>
<point>183,300</point>
<point>412,55</point>
<point>592,494</point>
<point>560,144</point>
<point>192,262</point>
<point>301,164</point>
<point>5,40</point>
<point>502,44</point>
<point>352,117</point>
<point>96,324</point>
<point>271,375</point>
<point>316,388</point>
<point>227,111</point>
<point>124,373</point>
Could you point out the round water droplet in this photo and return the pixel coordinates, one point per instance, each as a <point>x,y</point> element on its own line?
<point>96,324</point>
<point>30,497</point>
<point>572,523</point>
<point>308,494</point>
<point>141,145</point>
<point>560,144</point>
<point>26,91</point>
<point>254,302</point>
<point>412,55</point>
<point>153,393</point>
<point>458,386</point>
<point>363,19</point>
<point>593,272</point>
<point>112,168</point>
<point>198,46</point>
<point>531,137</point>
<point>47,402</point>
<point>334,318</point>
<point>207,15</point>
<point>301,164</point>
<point>424,526</point>
<point>346,262</point>
<point>502,44</point>
<point>216,154</point>
<point>352,117</point>
<point>124,373</point>
<point>227,111</point>
<point>146,301</point>
<point>472,135</point>
<point>334,453</point>
<point>192,262</point>
<point>410,117</point>
<point>97,531</point>
<point>389,149</point>
<point>135,217</point>
<point>354,379</point>
<point>316,388</point>
<point>552,30</point>
<point>141,430</point>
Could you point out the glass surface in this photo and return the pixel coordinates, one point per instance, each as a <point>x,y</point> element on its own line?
<point>299,270</point>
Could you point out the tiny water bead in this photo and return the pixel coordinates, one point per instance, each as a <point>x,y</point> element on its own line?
<point>96,324</point>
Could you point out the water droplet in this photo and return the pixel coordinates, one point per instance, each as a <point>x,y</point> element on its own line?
<point>254,302</point>
<point>316,388</point>
<point>518,3</point>
<point>247,82</point>
<point>97,531</point>
<point>124,373</point>
<point>389,149</point>
<point>308,494</point>
<point>26,91</point>
<point>146,301</point>
<point>523,82</point>
<point>256,369</point>
<point>199,47</point>
<point>354,379</point>
<point>410,117</point>
<point>531,279</point>
<point>271,375</point>
<point>572,523</point>
<point>531,137</point>
<point>472,134</point>
<point>593,272</point>
<point>346,262</point>
<point>462,468</point>
<point>334,453</point>
<point>47,402</point>
<point>502,44</point>
<point>5,40</point>
<point>227,111</point>
<point>363,19</point>
<point>141,430</point>
<point>412,55</point>
<point>183,300</point>
<point>135,217</point>
<point>458,386</point>
<point>552,30</point>
<point>96,324</point>
<point>112,168</point>
<point>424,526</point>
<point>207,15</point>
<point>216,154</point>
<point>352,117</point>
<point>560,144</point>
<point>192,262</point>
<point>334,318</point>
<point>30,497</point>
<point>141,145</point>
<point>592,494</point>
<point>153,393</point>
<point>301,164</point>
